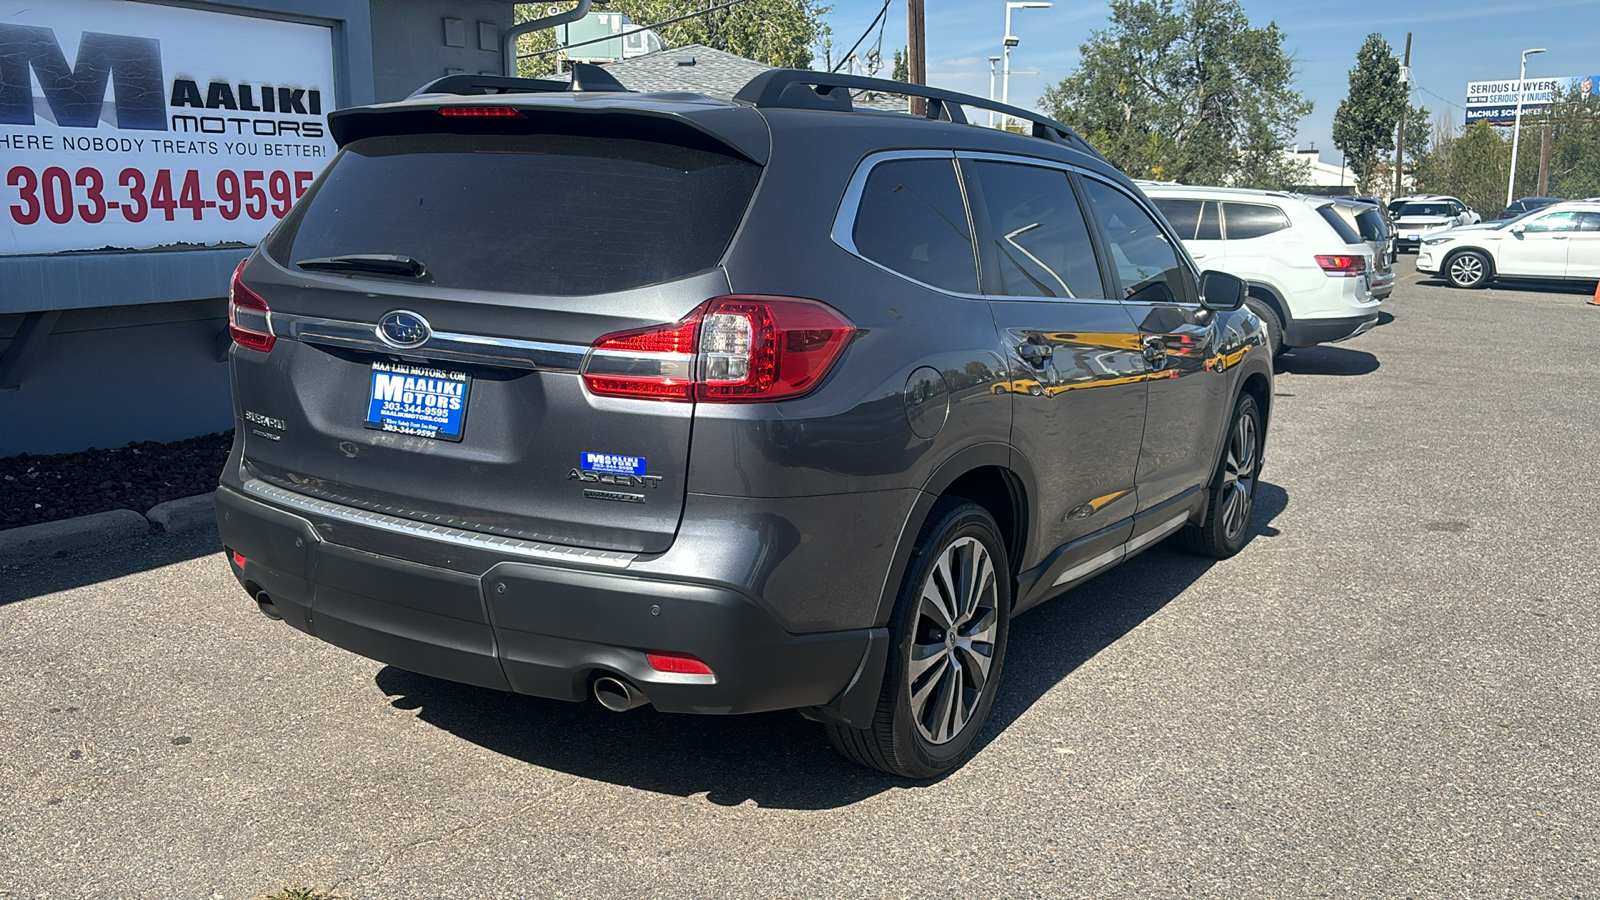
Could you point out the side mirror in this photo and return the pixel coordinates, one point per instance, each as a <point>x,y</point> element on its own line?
<point>1221,291</point>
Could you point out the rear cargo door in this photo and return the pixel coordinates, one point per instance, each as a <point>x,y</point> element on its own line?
<point>434,297</point>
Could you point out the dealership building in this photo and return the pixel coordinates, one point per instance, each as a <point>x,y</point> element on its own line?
<point>147,146</point>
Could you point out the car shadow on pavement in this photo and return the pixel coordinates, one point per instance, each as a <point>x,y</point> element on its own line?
<point>1051,642</point>
<point>779,760</point>
<point>84,567</point>
<point>1325,360</point>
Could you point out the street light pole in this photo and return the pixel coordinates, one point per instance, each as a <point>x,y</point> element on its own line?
<point>992,61</point>
<point>1516,130</point>
<point>1008,42</point>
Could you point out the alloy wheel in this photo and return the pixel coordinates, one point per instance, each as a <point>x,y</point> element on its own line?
<point>1239,477</point>
<point>1466,270</point>
<point>952,645</point>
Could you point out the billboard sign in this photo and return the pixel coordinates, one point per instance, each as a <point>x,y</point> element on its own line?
<point>128,125</point>
<point>1495,102</point>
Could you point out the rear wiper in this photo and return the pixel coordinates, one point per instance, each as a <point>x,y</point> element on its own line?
<point>373,263</point>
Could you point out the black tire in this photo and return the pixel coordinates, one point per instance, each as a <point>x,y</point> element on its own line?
<point>1468,269</point>
<point>1035,389</point>
<point>1270,321</point>
<point>1232,492</point>
<point>897,740</point>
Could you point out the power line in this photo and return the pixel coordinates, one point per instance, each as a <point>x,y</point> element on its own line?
<point>863,37</point>
<point>1433,95</point>
<point>612,37</point>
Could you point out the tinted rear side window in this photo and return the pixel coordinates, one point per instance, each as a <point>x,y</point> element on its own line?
<point>912,220</point>
<point>1182,215</point>
<point>1372,225</point>
<point>536,214</point>
<point>1346,233</point>
<point>1194,220</point>
<point>1252,220</point>
<point>1042,246</point>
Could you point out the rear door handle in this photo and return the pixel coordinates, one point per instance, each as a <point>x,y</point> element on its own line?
<point>1036,354</point>
<point>1155,352</point>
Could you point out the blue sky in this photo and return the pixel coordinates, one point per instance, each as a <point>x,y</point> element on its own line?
<point>1453,43</point>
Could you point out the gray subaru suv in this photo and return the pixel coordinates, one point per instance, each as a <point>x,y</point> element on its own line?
<point>723,407</point>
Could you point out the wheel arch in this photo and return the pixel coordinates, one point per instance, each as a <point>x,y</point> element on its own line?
<point>992,475</point>
<point>1272,297</point>
<point>1488,260</point>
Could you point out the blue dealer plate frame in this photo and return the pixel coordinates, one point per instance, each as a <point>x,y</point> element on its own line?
<point>418,400</point>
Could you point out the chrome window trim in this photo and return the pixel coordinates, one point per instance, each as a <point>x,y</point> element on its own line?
<point>986,156</point>
<point>844,221</point>
<point>843,232</point>
<point>468,348</point>
<point>1155,215</point>
<point>475,540</point>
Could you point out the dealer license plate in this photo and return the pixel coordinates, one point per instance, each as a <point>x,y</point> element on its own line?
<point>418,400</point>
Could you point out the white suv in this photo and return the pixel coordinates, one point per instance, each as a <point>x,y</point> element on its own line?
<point>1559,242</point>
<point>1306,269</point>
<point>1420,215</point>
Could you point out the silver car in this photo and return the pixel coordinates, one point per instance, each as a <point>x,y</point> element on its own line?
<point>1373,226</point>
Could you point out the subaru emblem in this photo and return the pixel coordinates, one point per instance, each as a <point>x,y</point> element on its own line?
<point>404,329</point>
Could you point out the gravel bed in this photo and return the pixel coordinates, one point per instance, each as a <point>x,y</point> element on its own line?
<point>36,489</point>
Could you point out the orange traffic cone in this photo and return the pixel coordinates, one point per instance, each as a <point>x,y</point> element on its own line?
<point>1596,300</point>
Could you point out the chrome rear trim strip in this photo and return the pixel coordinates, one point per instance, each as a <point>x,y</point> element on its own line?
<point>467,348</point>
<point>1157,533</point>
<point>476,540</point>
<point>1091,565</point>
<point>1115,554</point>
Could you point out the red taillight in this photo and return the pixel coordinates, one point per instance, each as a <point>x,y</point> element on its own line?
<point>238,559</point>
<point>1348,266</point>
<point>677,663</point>
<point>481,112</point>
<point>249,317</point>
<point>738,349</point>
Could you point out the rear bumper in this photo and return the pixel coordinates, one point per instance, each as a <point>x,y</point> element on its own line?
<point>543,629</point>
<point>1307,332</point>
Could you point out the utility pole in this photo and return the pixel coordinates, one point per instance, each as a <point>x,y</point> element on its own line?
<point>916,54</point>
<point>1544,160</point>
<point>1400,138</point>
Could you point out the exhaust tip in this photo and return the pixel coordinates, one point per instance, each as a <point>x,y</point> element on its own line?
<point>618,695</point>
<point>267,609</point>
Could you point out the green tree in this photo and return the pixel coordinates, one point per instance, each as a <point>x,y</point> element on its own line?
<point>779,33</point>
<point>902,67</point>
<point>1471,164</point>
<point>1364,125</point>
<point>1186,90</point>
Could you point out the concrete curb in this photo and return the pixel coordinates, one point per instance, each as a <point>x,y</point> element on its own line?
<point>187,514</point>
<point>107,529</point>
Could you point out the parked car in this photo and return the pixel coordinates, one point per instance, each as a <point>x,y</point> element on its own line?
<point>1388,219</point>
<point>1417,217</point>
<point>660,398</point>
<point>1307,270</point>
<point>1372,223</point>
<point>1526,204</point>
<point>1557,242</point>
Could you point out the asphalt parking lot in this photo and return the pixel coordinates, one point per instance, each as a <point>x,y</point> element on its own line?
<point>1393,691</point>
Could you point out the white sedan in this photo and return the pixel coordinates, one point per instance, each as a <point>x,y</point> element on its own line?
<point>1558,242</point>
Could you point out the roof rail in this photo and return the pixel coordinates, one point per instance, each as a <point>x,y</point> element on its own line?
<point>585,77</point>
<point>803,89</point>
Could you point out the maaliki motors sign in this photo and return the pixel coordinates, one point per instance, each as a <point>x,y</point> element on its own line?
<point>1495,102</point>
<point>130,125</point>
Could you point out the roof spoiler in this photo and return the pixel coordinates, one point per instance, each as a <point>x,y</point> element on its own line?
<point>585,77</point>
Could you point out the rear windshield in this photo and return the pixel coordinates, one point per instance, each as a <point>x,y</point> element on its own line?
<point>1332,217</point>
<point>537,214</point>
<point>1425,209</point>
<point>1372,225</point>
